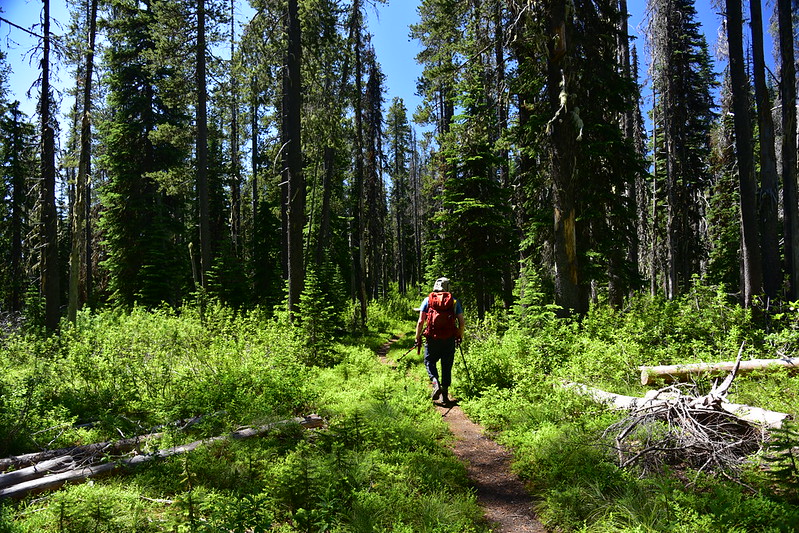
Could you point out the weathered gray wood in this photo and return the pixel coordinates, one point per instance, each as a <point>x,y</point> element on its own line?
<point>672,373</point>
<point>119,447</point>
<point>59,464</point>
<point>99,448</point>
<point>756,415</point>
<point>36,478</point>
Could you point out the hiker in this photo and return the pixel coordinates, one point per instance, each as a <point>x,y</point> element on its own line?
<point>443,315</point>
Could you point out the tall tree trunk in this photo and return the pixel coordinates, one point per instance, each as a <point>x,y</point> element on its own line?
<point>292,157</point>
<point>569,293</point>
<point>654,249</point>
<point>508,269</point>
<point>18,195</point>
<point>769,183</point>
<point>254,149</point>
<point>357,232</point>
<point>202,149</point>
<point>235,166</point>
<point>416,186</point>
<point>618,286</point>
<point>399,197</point>
<point>750,245</point>
<point>79,265</point>
<point>324,236</point>
<point>51,288</point>
<point>788,98</point>
<point>672,225</point>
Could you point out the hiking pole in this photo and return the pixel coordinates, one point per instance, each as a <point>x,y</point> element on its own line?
<point>468,375</point>
<point>406,353</point>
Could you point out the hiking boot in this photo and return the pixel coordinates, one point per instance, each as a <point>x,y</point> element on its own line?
<point>444,396</point>
<point>436,390</point>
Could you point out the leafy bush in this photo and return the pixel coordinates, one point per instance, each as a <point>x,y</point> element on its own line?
<point>558,437</point>
<point>378,466</point>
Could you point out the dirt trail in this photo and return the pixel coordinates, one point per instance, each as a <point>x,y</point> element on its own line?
<point>500,493</point>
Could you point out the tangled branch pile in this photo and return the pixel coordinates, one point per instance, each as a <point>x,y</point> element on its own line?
<point>683,430</point>
<point>672,427</point>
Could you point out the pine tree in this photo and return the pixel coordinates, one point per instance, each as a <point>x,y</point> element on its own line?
<point>142,220</point>
<point>376,211</point>
<point>80,265</point>
<point>293,177</point>
<point>724,234</point>
<point>17,164</point>
<point>49,263</point>
<point>399,152</point>
<point>683,79</point>
<point>769,178</point>
<point>751,268</point>
<point>788,160</point>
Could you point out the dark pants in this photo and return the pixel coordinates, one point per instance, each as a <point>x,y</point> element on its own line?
<point>440,350</point>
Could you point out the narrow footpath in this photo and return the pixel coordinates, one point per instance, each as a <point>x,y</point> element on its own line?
<point>500,493</point>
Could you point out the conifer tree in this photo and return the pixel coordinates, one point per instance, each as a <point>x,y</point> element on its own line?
<point>575,162</point>
<point>376,211</point>
<point>80,259</point>
<point>17,164</point>
<point>291,139</point>
<point>788,159</point>
<point>49,263</point>
<point>399,153</point>
<point>724,233</point>
<point>683,79</point>
<point>751,267</point>
<point>769,178</point>
<point>142,220</point>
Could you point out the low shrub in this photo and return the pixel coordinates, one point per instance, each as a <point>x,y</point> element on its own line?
<point>559,439</point>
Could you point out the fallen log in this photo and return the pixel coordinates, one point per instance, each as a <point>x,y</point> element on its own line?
<point>51,466</point>
<point>653,399</point>
<point>118,447</point>
<point>672,373</point>
<point>87,450</point>
<point>37,478</point>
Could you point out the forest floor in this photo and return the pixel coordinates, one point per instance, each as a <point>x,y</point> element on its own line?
<point>507,506</point>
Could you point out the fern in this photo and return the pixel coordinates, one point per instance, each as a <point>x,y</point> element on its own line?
<point>783,459</point>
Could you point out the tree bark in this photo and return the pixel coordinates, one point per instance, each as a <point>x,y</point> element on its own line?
<point>79,265</point>
<point>788,98</point>
<point>235,166</point>
<point>202,149</point>
<point>51,287</point>
<point>292,157</point>
<point>769,179</point>
<point>563,147</point>
<point>357,201</point>
<point>254,149</point>
<point>752,282</point>
<point>672,373</point>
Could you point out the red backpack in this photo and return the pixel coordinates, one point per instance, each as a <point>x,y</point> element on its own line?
<point>440,316</point>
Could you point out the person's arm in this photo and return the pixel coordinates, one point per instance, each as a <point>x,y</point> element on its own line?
<point>461,326</point>
<point>420,327</point>
<point>461,322</point>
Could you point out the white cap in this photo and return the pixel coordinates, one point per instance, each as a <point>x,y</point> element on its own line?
<point>441,285</point>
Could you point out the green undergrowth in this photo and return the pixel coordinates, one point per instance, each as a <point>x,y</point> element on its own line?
<point>519,369</point>
<point>379,464</point>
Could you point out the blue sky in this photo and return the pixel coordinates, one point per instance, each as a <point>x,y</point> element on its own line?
<point>388,23</point>
<point>397,53</point>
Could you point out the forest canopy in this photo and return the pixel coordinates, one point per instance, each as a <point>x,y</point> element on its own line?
<point>251,152</point>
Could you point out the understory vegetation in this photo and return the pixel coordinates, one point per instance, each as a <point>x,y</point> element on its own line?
<point>381,462</point>
<point>559,438</point>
